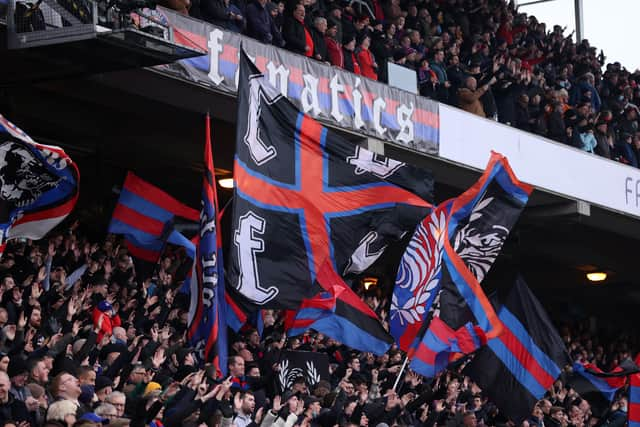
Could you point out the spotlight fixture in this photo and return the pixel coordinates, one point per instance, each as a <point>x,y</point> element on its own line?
<point>369,282</point>
<point>225,182</point>
<point>597,276</point>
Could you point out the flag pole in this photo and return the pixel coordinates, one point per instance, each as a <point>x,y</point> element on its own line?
<point>404,365</point>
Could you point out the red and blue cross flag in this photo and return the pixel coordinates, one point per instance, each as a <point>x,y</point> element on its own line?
<point>309,209</point>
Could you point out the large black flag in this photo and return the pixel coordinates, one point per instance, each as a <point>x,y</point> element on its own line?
<point>520,365</point>
<point>311,205</point>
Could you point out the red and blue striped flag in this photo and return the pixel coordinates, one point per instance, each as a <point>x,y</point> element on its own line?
<point>144,216</point>
<point>207,310</point>
<point>599,388</point>
<point>516,368</point>
<point>634,397</point>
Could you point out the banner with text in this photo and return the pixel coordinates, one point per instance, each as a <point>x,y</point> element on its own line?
<point>327,93</point>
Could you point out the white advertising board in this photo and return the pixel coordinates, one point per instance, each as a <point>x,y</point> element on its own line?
<point>468,139</point>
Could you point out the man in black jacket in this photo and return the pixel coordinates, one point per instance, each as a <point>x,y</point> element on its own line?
<point>260,25</point>
<point>317,34</point>
<point>215,12</point>
<point>11,409</point>
<point>295,32</point>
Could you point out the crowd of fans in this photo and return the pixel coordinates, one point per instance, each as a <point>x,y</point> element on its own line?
<point>480,55</point>
<point>84,340</point>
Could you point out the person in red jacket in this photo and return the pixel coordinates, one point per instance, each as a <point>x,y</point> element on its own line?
<point>110,319</point>
<point>368,66</point>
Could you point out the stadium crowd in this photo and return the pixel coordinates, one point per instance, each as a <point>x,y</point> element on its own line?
<point>84,340</point>
<point>480,55</point>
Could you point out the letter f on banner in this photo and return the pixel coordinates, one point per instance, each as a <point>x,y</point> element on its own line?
<point>248,245</point>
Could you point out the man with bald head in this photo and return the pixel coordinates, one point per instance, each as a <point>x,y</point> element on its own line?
<point>11,409</point>
<point>120,335</point>
<point>469,96</point>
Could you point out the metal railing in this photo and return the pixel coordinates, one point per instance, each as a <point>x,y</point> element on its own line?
<point>44,22</point>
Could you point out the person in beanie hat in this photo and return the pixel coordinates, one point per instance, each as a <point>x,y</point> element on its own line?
<point>348,51</point>
<point>103,388</point>
<point>18,372</point>
<point>151,387</point>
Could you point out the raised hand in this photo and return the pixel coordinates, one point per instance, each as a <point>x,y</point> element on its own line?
<point>374,375</point>
<point>10,332</point>
<point>22,321</point>
<point>150,301</point>
<point>158,358</point>
<point>414,379</point>
<point>202,390</point>
<point>165,333</point>
<point>104,341</point>
<point>31,403</point>
<point>277,404</point>
<point>36,292</point>
<point>172,389</point>
<point>42,273</point>
<point>425,413</point>
<point>72,307</point>
<point>258,416</point>
<point>227,383</point>
<point>55,339</point>
<point>28,340</point>
<point>237,402</point>
<point>75,329</point>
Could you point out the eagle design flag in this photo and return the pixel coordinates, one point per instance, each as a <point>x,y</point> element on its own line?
<point>306,198</point>
<point>39,185</point>
<point>441,270</point>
